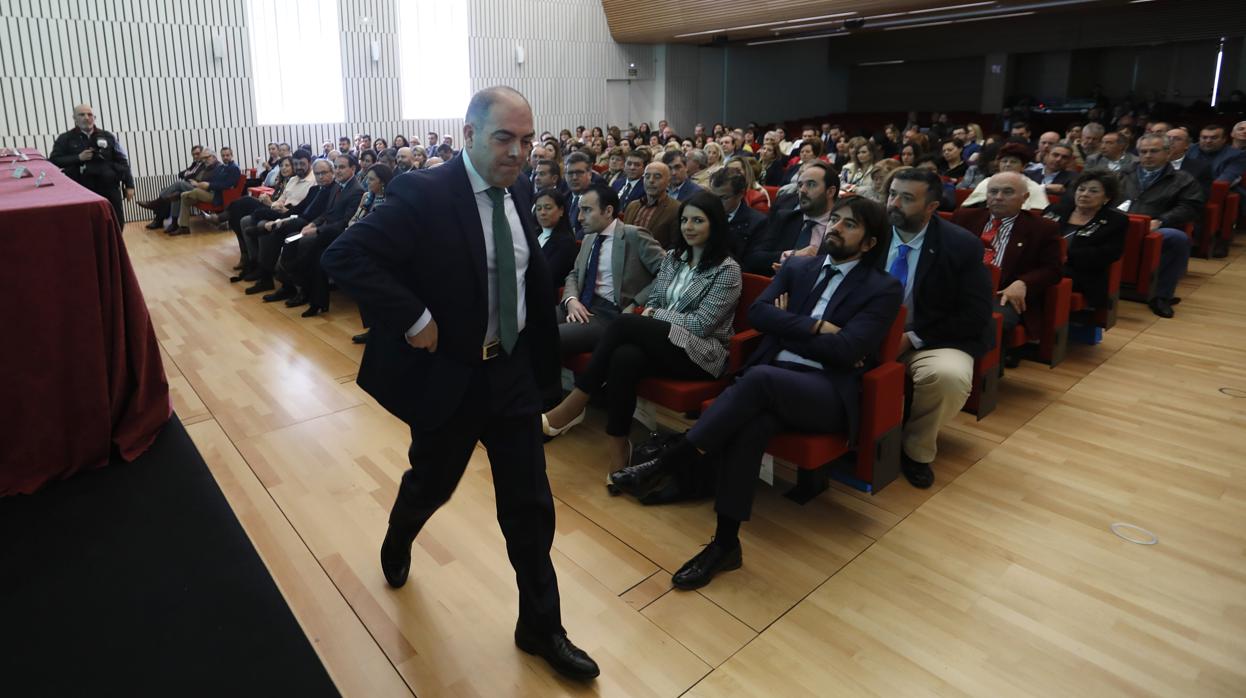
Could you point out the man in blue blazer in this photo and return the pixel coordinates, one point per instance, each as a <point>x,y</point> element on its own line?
<point>463,339</point>
<point>744,222</point>
<point>824,317</point>
<point>947,292</point>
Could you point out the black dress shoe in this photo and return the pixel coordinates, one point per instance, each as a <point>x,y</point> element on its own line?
<point>1174,300</point>
<point>297,300</point>
<point>698,571</point>
<point>1220,248</point>
<point>918,474</point>
<point>236,278</point>
<point>639,478</point>
<point>567,659</point>
<point>154,225</point>
<point>149,205</point>
<point>1012,358</point>
<point>261,285</point>
<point>279,295</point>
<point>1161,307</point>
<point>361,338</point>
<point>396,557</point>
<point>313,311</point>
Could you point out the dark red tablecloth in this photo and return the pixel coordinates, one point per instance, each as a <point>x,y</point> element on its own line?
<point>80,370</point>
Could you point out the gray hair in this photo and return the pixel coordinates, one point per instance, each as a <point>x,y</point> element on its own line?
<point>698,156</point>
<point>1164,140</point>
<point>1092,128</point>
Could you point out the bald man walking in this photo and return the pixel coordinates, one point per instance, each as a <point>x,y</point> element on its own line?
<point>91,157</point>
<point>463,342</point>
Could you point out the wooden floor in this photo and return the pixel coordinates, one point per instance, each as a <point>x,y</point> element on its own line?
<point>1002,580</point>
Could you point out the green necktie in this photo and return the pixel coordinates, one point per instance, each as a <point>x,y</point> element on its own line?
<point>504,255</point>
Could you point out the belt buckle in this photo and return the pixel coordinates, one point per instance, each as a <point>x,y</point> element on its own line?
<point>492,350</point>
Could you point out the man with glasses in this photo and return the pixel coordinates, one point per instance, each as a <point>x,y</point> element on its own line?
<point>579,176</point>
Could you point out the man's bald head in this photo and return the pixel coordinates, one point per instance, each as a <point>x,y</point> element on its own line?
<point>1006,193</point>
<point>657,178</point>
<point>84,117</point>
<point>497,134</point>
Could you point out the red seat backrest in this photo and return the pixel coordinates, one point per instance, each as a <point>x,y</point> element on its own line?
<point>961,195</point>
<point>1064,249</point>
<point>891,343</point>
<point>751,287</point>
<point>772,191</point>
<point>1219,190</point>
<point>1139,226</point>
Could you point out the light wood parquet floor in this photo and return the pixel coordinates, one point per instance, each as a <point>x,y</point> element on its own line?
<point>1002,580</point>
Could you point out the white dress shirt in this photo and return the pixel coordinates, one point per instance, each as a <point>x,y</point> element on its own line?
<point>484,205</point>
<point>605,264</point>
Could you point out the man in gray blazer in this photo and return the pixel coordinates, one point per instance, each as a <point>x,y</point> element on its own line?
<point>612,273</point>
<point>1113,156</point>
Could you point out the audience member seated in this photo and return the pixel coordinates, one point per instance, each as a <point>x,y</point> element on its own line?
<point>212,190</point>
<point>1238,136</point>
<point>656,212</point>
<point>579,177</point>
<point>1095,233</point>
<point>1045,143</point>
<point>744,223</point>
<point>1178,149</point>
<point>877,192</point>
<point>771,165</point>
<point>1055,175</point>
<point>931,163</point>
<point>1089,142</point>
<point>615,176</point>
<point>1171,198</point>
<point>1113,155</point>
<point>1011,158</point>
<point>754,194</point>
<point>796,231</point>
<point>682,188</point>
<point>947,292</point>
<point>714,161</point>
<point>909,153</point>
<point>1227,163</point>
<point>376,179</point>
<point>246,205</point>
<point>806,152</point>
<point>1025,247</point>
<point>631,187</point>
<point>613,272</point>
<point>953,165</point>
<point>556,237</point>
<point>823,317</point>
<point>298,268</point>
<point>269,229</point>
<point>203,165</point>
<point>861,161</point>
<point>682,333</point>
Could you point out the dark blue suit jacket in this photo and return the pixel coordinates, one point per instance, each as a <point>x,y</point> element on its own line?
<point>638,192</point>
<point>685,190</point>
<point>952,297</point>
<point>423,248</point>
<point>747,226</point>
<point>863,307</point>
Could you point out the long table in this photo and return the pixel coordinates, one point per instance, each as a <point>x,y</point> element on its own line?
<point>81,381</point>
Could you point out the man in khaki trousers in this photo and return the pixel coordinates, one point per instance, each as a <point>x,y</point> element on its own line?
<point>211,191</point>
<point>947,292</point>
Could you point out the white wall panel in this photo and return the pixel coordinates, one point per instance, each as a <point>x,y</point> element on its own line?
<point>147,68</point>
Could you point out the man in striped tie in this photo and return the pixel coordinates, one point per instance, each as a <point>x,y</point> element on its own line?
<point>463,340</point>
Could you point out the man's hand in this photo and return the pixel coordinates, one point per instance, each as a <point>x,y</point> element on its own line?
<point>576,312</point>
<point>269,225</point>
<point>425,338</point>
<point>1055,188</point>
<point>828,328</point>
<point>265,199</point>
<point>1014,295</point>
<point>86,155</point>
<point>1154,224</point>
<point>905,345</point>
<point>781,301</point>
<point>309,230</point>
<point>201,185</point>
<point>129,194</point>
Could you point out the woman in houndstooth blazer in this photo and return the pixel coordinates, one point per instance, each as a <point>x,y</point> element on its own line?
<point>682,332</point>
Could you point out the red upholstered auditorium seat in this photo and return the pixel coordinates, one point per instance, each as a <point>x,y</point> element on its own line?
<point>877,447</point>
<point>1140,261</point>
<point>961,195</point>
<point>1054,341</point>
<point>986,375</point>
<point>227,197</point>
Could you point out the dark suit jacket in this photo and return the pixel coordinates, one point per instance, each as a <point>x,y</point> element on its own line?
<point>952,291</point>
<point>333,220</point>
<point>423,249</point>
<point>781,234</point>
<point>863,307</point>
<point>773,175</point>
<point>1065,177</point>
<point>1032,256</point>
<point>1200,170</point>
<point>573,217</point>
<point>748,225</point>
<point>1091,250</point>
<point>685,190</point>
<point>223,178</point>
<point>560,251</point>
<point>638,192</point>
<point>313,204</point>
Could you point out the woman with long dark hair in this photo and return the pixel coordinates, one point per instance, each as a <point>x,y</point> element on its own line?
<point>682,333</point>
<point>556,238</point>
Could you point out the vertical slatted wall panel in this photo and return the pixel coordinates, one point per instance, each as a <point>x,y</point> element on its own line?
<point>148,69</point>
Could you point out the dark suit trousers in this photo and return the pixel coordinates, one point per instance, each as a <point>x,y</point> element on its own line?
<point>251,235</point>
<point>244,206</point>
<point>579,338</point>
<point>1011,318</point>
<point>632,348</point>
<point>500,409</point>
<point>283,255</point>
<point>738,426</point>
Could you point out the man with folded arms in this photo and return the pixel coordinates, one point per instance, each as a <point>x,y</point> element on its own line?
<point>212,190</point>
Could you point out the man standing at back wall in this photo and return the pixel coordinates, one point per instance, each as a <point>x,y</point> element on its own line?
<point>91,157</point>
<point>450,273</point>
